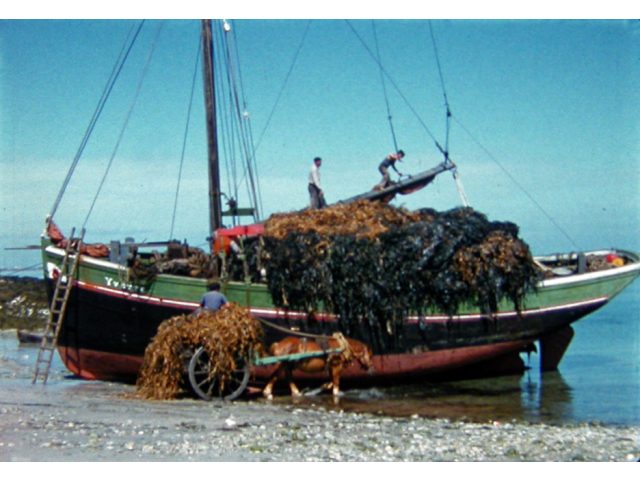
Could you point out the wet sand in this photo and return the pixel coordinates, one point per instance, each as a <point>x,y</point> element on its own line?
<point>74,420</point>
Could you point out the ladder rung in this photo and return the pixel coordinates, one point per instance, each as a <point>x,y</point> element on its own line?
<point>57,308</point>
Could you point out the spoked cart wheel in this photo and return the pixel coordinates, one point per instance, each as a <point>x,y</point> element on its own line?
<point>209,388</point>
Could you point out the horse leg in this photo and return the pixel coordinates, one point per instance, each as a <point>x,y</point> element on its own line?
<point>292,386</point>
<point>336,370</point>
<point>277,374</point>
<point>326,386</point>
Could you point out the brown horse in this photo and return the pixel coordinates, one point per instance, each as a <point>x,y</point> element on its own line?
<point>334,362</point>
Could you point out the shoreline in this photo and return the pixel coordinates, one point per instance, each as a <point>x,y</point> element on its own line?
<point>71,420</point>
<point>113,428</point>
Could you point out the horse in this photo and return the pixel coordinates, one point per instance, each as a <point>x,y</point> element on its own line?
<point>334,361</point>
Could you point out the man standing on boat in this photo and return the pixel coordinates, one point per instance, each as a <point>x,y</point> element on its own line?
<point>212,300</point>
<point>389,161</point>
<point>315,191</point>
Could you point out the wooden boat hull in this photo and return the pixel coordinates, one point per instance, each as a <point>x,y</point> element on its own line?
<point>111,319</point>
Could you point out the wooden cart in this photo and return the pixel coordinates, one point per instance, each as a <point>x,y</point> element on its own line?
<point>209,387</point>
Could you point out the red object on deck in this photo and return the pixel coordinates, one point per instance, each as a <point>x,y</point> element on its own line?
<point>245,230</point>
<point>224,236</point>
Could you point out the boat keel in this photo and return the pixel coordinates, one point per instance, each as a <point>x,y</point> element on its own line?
<point>553,347</point>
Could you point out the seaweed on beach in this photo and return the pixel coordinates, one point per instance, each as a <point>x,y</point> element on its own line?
<point>372,264</point>
<point>23,303</point>
<point>226,335</point>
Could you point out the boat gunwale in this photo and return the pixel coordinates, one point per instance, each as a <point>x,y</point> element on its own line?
<point>614,271</point>
<point>559,281</point>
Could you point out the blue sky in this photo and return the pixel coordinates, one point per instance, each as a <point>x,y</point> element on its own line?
<point>551,107</point>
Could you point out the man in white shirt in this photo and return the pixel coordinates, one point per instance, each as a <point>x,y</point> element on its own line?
<point>315,190</point>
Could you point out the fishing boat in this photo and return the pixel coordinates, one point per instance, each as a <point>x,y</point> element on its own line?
<point>114,307</point>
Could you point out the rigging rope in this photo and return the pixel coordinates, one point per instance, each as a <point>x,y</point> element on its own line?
<point>444,91</point>
<point>113,77</point>
<point>126,122</point>
<point>284,83</point>
<point>244,125</point>
<point>456,174</point>
<point>384,89</point>
<point>184,139</point>
<point>251,143</point>
<point>513,179</point>
<point>251,169</point>
<point>395,86</point>
<point>237,119</point>
<point>443,151</point>
<point>234,121</point>
<point>460,188</point>
<point>226,142</point>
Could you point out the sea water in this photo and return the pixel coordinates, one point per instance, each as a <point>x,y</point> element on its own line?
<point>598,380</point>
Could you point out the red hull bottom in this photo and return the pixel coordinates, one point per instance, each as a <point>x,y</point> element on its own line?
<point>95,365</point>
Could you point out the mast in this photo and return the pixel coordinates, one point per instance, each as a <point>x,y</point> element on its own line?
<point>215,204</point>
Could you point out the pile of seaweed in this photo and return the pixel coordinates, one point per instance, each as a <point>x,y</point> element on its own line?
<point>372,263</point>
<point>228,334</point>
<point>179,259</point>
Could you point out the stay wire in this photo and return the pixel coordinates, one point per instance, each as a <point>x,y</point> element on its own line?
<point>520,186</point>
<point>229,114</point>
<point>443,151</point>
<point>455,173</point>
<point>234,82</point>
<point>384,88</point>
<point>235,125</point>
<point>395,86</point>
<point>444,90</point>
<point>124,127</point>
<point>251,142</point>
<point>245,121</point>
<point>227,141</point>
<point>113,77</point>
<point>184,139</point>
<point>284,83</point>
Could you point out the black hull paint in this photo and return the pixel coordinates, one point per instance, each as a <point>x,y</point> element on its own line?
<point>99,323</point>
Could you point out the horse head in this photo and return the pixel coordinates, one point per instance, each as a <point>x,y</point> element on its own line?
<point>363,354</point>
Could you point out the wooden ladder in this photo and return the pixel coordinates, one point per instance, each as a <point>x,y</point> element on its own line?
<point>58,307</point>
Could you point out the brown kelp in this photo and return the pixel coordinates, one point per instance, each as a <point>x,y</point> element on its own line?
<point>226,335</point>
<point>372,264</point>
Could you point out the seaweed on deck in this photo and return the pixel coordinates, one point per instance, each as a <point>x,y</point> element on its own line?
<point>372,264</point>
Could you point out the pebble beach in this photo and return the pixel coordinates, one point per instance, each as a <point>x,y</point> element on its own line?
<point>70,420</point>
<point>117,430</point>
